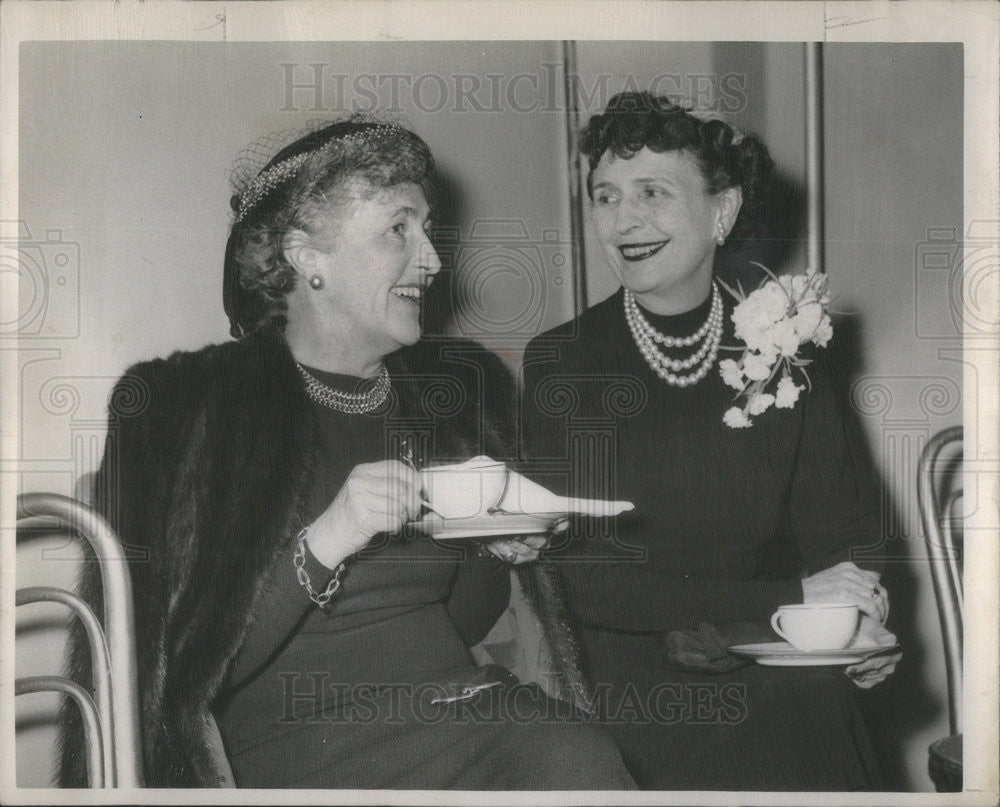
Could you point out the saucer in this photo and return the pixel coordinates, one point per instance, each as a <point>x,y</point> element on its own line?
<point>486,526</point>
<point>782,654</point>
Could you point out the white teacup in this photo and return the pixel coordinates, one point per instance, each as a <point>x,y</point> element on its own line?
<point>467,489</point>
<point>816,626</point>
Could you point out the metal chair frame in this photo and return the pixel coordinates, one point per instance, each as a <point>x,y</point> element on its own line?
<point>936,511</point>
<point>111,726</point>
<point>97,761</point>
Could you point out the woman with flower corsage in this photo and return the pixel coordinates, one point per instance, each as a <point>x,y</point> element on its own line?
<point>705,401</point>
<point>262,487</point>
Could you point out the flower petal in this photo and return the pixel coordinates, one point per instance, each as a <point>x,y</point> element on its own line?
<point>735,418</point>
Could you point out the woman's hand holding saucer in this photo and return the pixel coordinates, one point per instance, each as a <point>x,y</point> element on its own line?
<point>377,497</point>
<point>526,547</point>
<point>877,668</point>
<point>518,550</point>
<point>845,582</point>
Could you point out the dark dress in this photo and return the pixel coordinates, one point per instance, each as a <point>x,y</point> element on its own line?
<point>345,697</point>
<point>726,523</point>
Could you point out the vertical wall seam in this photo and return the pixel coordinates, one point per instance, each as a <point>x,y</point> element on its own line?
<point>572,117</point>
<point>814,155</point>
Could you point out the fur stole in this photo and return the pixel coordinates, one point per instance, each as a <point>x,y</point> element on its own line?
<point>207,465</point>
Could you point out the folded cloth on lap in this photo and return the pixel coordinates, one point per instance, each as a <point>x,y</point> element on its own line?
<point>704,649</point>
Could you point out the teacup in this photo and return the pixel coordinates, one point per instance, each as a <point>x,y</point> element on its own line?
<point>466,489</point>
<point>816,626</point>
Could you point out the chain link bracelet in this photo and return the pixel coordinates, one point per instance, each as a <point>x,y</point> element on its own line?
<point>299,561</point>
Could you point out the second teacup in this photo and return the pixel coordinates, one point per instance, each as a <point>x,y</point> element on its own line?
<point>816,626</point>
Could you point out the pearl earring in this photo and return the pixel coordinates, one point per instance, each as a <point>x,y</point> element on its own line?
<point>316,282</point>
<point>720,237</point>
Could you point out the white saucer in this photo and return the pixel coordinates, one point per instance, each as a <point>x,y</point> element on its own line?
<point>782,654</point>
<point>486,526</point>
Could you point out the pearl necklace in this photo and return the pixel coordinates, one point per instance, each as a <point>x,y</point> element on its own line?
<point>351,403</point>
<point>648,339</point>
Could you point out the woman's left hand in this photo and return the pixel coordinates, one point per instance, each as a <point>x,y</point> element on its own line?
<point>518,550</point>
<point>873,670</point>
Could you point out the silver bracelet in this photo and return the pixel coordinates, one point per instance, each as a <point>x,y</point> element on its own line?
<point>299,561</point>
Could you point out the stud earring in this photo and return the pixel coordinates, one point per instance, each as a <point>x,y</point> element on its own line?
<point>316,282</point>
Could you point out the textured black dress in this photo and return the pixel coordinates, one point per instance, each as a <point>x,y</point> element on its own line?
<point>356,695</point>
<point>726,523</point>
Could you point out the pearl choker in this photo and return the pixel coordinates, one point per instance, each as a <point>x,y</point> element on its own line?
<point>648,340</point>
<point>351,403</point>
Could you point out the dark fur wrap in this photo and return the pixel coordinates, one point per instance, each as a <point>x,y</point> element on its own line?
<point>545,592</point>
<point>206,468</point>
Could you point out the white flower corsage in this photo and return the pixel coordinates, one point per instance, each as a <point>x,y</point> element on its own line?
<point>774,321</point>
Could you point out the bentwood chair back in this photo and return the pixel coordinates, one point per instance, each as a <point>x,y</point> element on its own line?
<point>939,493</point>
<point>111,713</point>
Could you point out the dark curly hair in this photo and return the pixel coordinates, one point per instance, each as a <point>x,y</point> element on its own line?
<point>297,189</point>
<point>727,158</point>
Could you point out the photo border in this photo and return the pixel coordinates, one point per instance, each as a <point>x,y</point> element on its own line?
<point>975,24</point>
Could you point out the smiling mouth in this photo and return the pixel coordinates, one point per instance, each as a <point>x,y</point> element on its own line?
<point>639,252</point>
<point>412,294</point>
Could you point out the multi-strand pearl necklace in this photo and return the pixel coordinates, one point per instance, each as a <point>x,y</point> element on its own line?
<point>648,340</point>
<point>351,403</point>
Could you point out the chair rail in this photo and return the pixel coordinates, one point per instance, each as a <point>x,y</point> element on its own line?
<point>99,657</point>
<point>88,711</point>
<point>119,621</point>
<point>948,541</point>
<point>944,570</point>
